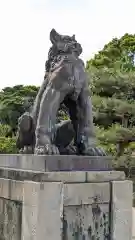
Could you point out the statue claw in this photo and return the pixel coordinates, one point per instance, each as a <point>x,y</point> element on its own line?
<point>48,149</point>
<point>94,151</point>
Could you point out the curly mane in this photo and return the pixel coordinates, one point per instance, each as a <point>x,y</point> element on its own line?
<point>61,45</point>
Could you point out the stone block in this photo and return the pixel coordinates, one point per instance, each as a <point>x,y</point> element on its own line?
<point>10,219</point>
<point>87,222</point>
<point>19,161</point>
<point>42,217</point>
<point>77,163</point>
<point>30,193</point>
<point>121,210</point>
<point>88,193</point>
<point>38,176</point>
<point>11,189</point>
<point>105,176</point>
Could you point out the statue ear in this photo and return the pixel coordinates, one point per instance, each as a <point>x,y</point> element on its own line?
<point>54,36</point>
<point>73,37</point>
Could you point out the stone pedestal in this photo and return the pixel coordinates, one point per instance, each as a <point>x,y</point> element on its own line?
<point>53,163</point>
<point>77,205</point>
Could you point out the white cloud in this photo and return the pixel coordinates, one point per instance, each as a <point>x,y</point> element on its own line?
<point>25,26</point>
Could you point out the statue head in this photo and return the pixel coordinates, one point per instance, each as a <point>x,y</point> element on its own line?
<point>64,43</point>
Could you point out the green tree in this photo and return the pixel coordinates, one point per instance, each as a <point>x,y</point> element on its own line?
<point>114,111</point>
<point>112,83</point>
<point>117,54</point>
<point>7,145</point>
<point>14,101</point>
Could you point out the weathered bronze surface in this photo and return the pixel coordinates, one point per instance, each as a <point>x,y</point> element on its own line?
<point>65,82</point>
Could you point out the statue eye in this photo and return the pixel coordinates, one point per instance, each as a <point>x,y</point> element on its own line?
<point>67,39</point>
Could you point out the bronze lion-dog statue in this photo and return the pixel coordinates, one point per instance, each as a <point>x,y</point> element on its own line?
<point>65,83</point>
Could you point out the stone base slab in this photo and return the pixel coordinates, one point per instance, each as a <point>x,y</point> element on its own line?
<point>50,163</point>
<point>67,177</point>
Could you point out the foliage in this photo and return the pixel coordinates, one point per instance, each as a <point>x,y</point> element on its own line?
<point>4,129</point>
<point>118,53</point>
<point>63,113</point>
<point>14,102</point>
<point>7,145</point>
<point>112,82</point>
<point>112,110</point>
<point>120,85</point>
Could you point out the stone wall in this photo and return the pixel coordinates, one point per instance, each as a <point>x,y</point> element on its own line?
<point>82,205</point>
<point>73,209</point>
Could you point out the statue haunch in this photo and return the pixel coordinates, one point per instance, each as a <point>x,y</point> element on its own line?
<point>26,136</point>
<point>65,82</point>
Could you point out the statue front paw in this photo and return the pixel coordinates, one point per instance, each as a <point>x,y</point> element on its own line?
<point>94,151</point>
<point>26,150</point>
<point>48,149</point>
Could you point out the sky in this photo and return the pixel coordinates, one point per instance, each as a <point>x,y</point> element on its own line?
<point>25,26</point>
